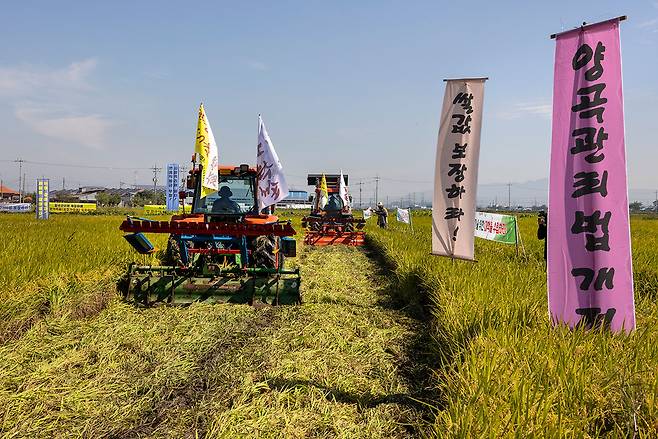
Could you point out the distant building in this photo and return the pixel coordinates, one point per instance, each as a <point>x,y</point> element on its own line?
<point>7,194</point>
<point>88,194</point>
<point>295,200</point>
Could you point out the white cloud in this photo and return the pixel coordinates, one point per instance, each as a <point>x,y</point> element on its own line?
<point>51,101</point>
<point>86,130</point>
<point>28,80</point>
<point>528,109</point>
<point>648,23</point>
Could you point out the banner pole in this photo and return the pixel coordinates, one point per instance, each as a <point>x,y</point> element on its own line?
<point>516,236</point>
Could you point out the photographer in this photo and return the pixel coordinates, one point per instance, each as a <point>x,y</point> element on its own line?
<point>541,229</point>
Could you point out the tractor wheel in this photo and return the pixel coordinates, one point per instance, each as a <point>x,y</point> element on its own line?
<point>349,227</point>
<point>263,252</point>
<point>172,254</point>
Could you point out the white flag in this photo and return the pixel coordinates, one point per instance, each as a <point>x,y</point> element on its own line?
<point>272,186</point>
<point>456,169</point>
<point>342,191</point>
<point>367,213</point>
<point>403,216</point>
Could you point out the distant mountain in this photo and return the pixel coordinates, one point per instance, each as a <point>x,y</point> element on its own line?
<point>535,192</point>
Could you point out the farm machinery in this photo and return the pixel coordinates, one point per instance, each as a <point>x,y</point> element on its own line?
<point>331,220</point>
<point>225,250</point>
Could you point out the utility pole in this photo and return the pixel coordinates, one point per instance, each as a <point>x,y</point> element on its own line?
<point>63,183</point>
<point>155,181</point>
<point>20,175</point>
<point>377,189</point>
<point>509,196</point>
<point>360,191</point>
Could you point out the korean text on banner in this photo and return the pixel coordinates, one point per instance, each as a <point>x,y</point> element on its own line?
<point>272,186</point>
<point>206,148</point>
<point>43,198</point>
<point>495,227</point>
<point>15,207</point>
<point>57,207</point>
<point>590,278</point>
<point>173,178</point>
<point>456,169</point>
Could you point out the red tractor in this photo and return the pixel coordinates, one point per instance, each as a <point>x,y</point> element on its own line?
<point>225,250</point>
<point>331,220</point>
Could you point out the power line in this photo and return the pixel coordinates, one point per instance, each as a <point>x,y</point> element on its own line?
<point>71,165</point>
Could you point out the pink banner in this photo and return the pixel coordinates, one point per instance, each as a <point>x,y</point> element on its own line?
<point>590,278</point>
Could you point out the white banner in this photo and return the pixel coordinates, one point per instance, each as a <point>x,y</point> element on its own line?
<point>403,216</point>
<point>272,186</point>
<point>456,169</point>
<point>15,207</point>
<point>367,213</point>
<point>342,191</point>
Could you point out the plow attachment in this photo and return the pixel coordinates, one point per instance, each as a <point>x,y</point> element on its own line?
<point>328,231</point>
<point>149,285</point>
<point>331,237</point>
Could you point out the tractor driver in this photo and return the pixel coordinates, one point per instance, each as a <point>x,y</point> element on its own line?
<point>334,203</point>
<point>224,204</point>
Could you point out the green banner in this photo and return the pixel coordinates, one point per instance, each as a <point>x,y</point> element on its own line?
<point>496,227</point>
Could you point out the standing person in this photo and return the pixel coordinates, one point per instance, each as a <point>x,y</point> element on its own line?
<point>541,229</point>
<point>382,215</point>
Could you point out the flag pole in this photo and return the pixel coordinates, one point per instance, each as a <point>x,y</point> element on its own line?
<point>516,236</point>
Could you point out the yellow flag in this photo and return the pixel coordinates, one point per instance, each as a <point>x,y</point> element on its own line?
<point>324,193</point>
<point>206,148</point>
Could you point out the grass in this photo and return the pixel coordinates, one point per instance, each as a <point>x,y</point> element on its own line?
<point>501,369</point>
<point>430,348</point>
<point>77,362</point>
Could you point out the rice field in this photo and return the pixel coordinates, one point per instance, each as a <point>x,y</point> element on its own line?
<point>501,369</point>
<point>77,362</point>
<point>391,342</point>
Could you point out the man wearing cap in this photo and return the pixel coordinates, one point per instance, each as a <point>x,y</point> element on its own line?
<point>382,215</point>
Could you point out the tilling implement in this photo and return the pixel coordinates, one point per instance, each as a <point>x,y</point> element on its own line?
<point>331,220</point>
<point>224,251</point>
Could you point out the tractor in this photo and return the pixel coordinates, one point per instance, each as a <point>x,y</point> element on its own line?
<point>331,220</point>
<point>224,251</point>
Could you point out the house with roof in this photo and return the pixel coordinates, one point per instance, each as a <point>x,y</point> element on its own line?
<point>8,194</point>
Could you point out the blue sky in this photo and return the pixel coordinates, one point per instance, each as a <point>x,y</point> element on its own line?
<point>356,85</point>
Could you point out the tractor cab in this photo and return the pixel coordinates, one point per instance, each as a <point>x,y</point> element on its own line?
<point>333,206</point>
<point>235,199</point>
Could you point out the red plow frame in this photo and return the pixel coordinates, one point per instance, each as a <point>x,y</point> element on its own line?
<point>322,231</point>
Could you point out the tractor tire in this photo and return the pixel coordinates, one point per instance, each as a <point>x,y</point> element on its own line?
<point>280,262</point>
<point>172,254</point>
<point>263,252</point>
<point>349,227</point>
